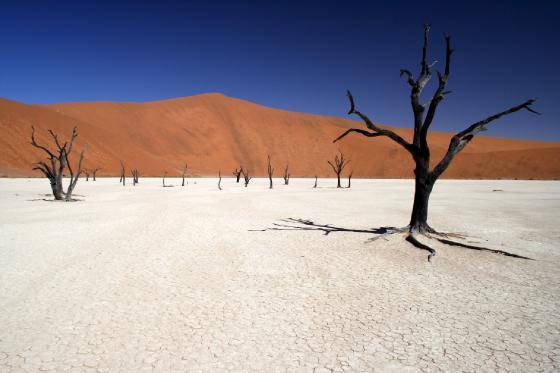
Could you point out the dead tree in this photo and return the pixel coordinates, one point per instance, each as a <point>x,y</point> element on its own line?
<point>315,185</point>
<point>338,166</point>
<point>425,177</point>
<point>123,176</point>
<point>58,161</point>
<point>184,174</point>
<point>220,180</point>
<point>94,171</point>
<point>237,173</point>
<point>164,175</point>
<point>135,176</point>
<point>270,171</point>
<point>350,178</point>
<point>86,172</point>
<point>246,177</point>
<point>286,176</point>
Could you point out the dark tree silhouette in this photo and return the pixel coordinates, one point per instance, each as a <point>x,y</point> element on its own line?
<point>237,173</point>
<point>220,180</point>
<point>338,166</point>
<point>123,175</point>
<point>58,161</point>
<point>315,185</point>
<point>184,174</point>
<point>270,171</point>
<point>94,171</point>
<point>135,176</point>
<point>286,176</point>
<point>246,177</point>
<point>350,179</point>
<point>419,148</point>
<point>86,172</point>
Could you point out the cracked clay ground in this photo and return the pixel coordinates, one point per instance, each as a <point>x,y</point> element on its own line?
<point>144,278</point>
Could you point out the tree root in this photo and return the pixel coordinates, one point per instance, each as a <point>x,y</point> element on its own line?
<point>412,239</point>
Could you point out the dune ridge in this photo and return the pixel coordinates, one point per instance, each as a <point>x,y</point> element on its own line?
<point>214,132</point>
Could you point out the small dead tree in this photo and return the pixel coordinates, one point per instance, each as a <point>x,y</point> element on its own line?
<point>93,172</point>
<point>135,176</point>
<point>270,171</point>
<point>86,172</point>
<point>220,180</point>
<point>123,175</point>
<point>58,161</point>
<point>237,173</point>
<point>286,176</point>
<point>184,174</point>
<point>164,175</point>
<point>315,185</point>
<point>425,176</point>
<point>246,177</point>
<point>338,166</point>
<point>350,179</point>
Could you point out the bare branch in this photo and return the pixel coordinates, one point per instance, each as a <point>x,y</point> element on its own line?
<point>363,132</point>
<point>461,139</point>
<point>35,144</point>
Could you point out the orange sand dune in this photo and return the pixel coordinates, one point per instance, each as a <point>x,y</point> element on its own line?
<point>213,132</point>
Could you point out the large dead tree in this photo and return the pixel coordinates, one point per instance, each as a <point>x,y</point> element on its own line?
<point>58,162</point>
<point>419,150</point>
<point>237,173</point>
<point>246,176</point>
<point>286,176</point>
<point>270,171</point>
<point>184,174</point>
<point>338,166</point>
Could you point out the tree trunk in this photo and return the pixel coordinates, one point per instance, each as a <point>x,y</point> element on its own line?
<point>338,177</point>
<point>423,189</point>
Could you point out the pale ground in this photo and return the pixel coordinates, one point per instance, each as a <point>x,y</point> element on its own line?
<point>151,279</point>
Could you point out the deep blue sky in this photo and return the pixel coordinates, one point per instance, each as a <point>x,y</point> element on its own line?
<point>300,56</point>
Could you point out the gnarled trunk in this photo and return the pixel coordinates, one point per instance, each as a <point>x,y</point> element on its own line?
<point>423,188</point>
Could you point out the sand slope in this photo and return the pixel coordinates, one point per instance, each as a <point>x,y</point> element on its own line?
<point>213,132</point>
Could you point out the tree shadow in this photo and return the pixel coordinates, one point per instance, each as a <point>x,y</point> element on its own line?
<point>292,224</point>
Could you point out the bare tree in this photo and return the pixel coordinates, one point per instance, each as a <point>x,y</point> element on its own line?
<point>286,176</point>
<point>184,174</point>
<point>350,178</point>
<point>220,180</point>
<point>123,176</point>
<point>315,185</point>
<point>246,177</point>
<point>58,161</point>
<point>164,175</point>
<point>270,170</point>
<point>338,166</point>
<point>135,176</point>
<point>86,172</point>
<point>419,149</point>
<point>237,173</point>
<point>94,171</point>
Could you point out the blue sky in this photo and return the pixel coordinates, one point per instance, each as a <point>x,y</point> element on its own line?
<point>299,56</point>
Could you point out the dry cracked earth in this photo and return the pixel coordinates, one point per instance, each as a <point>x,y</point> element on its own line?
<point>147,279</point>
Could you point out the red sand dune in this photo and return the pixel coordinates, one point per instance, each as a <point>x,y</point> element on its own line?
<point>213,132</point>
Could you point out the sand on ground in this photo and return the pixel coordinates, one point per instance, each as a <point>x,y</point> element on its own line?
<point>148,278</point>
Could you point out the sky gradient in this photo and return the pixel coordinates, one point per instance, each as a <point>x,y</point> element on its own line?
<point>299,56</point>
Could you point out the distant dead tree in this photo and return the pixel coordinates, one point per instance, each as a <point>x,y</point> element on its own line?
<point>184,174</point>
<point>315,185</point>
<point>286,176</point>
<point>58,161</point>
<point>164,175</point>
<point>86,172</point>
<point>219,180</point>
<point>237,173</point>
<point>94,171</point>
<point>350,178</point>
<point>338,166</point>
<point>270,171</point>
<point>246,177</point>
<point>419,149</point>
<point>135,176</point>
<point>123,175</point>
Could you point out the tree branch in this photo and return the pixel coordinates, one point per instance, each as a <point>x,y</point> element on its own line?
<point>363,132</point>
<point>461,139</point>
<point>378,130</point>
<point>35,144</point>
